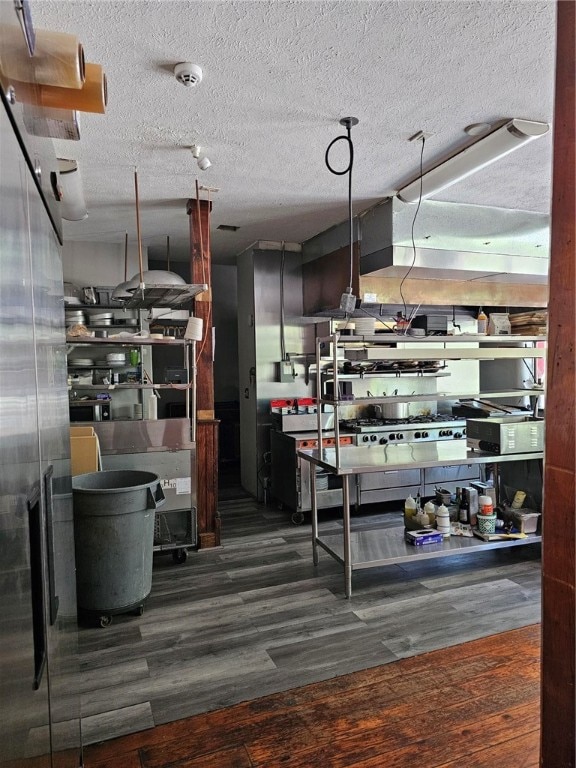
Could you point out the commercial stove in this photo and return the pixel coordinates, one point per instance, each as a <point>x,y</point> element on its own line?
<point>415,429</point>
<point>291,477</point>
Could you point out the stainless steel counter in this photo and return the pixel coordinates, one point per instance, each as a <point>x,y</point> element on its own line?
<point>354,460</point>
<point>143,436</point>
<point>382,547</point>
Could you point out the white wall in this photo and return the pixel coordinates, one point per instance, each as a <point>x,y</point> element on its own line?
<point>91,264</point>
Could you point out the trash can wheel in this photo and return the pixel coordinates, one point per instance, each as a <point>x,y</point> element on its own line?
<point>105,620</point>
<point>179,556</point>
<point>139,611</point>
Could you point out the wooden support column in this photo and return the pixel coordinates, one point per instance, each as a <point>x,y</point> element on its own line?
<point>207,427</point>
<point>558,747</point>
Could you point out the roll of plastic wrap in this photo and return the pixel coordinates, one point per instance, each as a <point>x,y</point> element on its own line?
<point>51,123</point>
<point>194,329</point>
<point>92,97</point>
<point>58,58</point>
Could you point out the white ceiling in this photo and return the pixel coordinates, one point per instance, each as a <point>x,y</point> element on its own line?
<point>277,78</point>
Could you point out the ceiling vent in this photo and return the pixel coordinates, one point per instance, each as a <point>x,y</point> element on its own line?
<point>227,228</point>
<point>188,74</point>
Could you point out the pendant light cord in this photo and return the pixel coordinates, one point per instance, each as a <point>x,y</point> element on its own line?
<point>413,243</point>
<point>348,122</point>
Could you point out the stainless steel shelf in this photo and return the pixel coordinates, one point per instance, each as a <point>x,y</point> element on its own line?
<point>124,386</point>
<point>436,396</point>
<point>396,338</point>
<point>125,341</point>
<point>386,546</point>
<point>353,549</point>
<point>163,296</point>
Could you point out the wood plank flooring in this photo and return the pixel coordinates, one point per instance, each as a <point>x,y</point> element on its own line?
<point>255,617</point>
<point>476,705</point>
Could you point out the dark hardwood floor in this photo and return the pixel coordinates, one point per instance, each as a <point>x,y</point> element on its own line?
<point>254,618</point>
<point>475,705</point>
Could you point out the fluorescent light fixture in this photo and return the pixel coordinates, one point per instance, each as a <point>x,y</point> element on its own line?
<point>500,142</point>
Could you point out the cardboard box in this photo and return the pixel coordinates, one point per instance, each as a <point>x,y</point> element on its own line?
<point>83,450</point>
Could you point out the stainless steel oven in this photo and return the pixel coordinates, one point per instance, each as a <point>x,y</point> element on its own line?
<point>90,410</point>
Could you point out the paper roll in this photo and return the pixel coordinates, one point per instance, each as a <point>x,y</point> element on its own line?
<point>92,97</point>
<point>58,58</point>
<point>152,408</point>
<point>194,329</point>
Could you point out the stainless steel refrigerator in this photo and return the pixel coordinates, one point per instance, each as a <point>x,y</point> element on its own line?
<point>39,705</point>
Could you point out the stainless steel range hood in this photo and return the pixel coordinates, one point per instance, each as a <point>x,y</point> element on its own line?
<point>455,242</point>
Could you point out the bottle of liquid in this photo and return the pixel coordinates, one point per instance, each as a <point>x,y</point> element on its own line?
<point>482,321</point>
<point>422,518</point>
<point>443,520</point>
<point>409,508</point>
<point>430,510</point>
<point>485,505</point>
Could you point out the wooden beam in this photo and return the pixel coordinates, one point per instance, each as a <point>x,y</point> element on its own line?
<point>558,747</point>
<point>207,427</point>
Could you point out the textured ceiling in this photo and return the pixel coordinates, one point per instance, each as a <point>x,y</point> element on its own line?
<point>277,78</point>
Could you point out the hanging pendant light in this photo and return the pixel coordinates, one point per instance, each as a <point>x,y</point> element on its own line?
<point>151,278</point>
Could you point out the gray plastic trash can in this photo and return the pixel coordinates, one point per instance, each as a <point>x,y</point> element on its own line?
<point>114,536</point>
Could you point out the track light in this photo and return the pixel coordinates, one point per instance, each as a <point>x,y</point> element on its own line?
<point>504,139</point>
<point>203,162</point>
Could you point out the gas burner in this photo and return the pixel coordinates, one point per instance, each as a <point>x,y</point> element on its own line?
<point>370,425</point>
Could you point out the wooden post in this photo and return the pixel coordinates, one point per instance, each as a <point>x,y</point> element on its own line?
<point>558,746</point>
<point>207,427</point>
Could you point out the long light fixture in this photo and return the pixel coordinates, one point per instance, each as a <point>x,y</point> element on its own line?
<point>503,140</point>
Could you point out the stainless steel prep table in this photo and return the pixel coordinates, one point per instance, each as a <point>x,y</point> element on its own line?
<point>370,549</point>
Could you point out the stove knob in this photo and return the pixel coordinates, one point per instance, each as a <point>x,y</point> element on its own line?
<point>449,432</point>
<point>392,436</point>
<point>417,435</point>
<point>464,431</point>
<point>373,438</point>
<point>442,433</point>
<point>458,435</point>
<point>425,434</point>
<point>400,436</point>
<point>365,439</point>
<point>383,441</point>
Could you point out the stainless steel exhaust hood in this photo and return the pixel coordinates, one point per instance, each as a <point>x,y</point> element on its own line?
<point>455,242</point>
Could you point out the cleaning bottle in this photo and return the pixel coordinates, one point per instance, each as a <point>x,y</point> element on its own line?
<point>482,321</point>
<point>409,509</point>
<point>443,520</point>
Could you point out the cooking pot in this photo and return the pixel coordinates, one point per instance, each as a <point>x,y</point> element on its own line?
<point>394,410</point>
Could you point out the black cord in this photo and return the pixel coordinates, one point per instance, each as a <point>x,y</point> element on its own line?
<point>347,170</point>
<point>282,321</point>
<point>413,223</point>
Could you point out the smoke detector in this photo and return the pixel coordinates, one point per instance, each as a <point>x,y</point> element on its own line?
<point>188,74</point>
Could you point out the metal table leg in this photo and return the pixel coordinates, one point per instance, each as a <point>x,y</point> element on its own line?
<point>314,513</point>
<point>347,547</point>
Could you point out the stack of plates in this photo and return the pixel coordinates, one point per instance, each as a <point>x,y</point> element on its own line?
<point>101,318</point>
<point>364,326</point>
<point>115,359</point>
<point>81,362</point>
<point>74,317</point>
